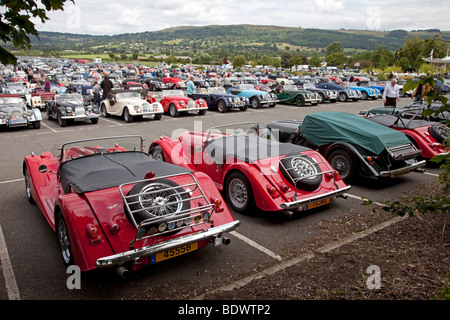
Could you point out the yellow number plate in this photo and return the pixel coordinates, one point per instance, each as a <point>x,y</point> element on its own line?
<point>318,203</point>
<point>168,254</point>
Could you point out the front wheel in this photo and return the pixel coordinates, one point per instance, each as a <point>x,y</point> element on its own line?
<point>62,122</point>
<point>127,116</point>
<point>155,151</point>
<point>28,187</point>
<point>255,103</point>
<point>221,106</point>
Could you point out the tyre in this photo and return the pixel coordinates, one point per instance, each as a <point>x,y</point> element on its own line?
<point>127,116</point>
<point>365,96</point>
<point>342,162</point>
<point>94,121</point>
<point>155,151</point>
<point>173,111</point>
<point>158,198</point>
<point>299,167</point>
<point>103,111</point>
<point>239,193</point>
<point>244,108</point>
<point>158,116</point>
<point>36,124</point>
<point>62,122</point>
<point>202,112</point>
<point>28,187</point>
<point>439,132</point>
<point>221,106</point>
<point>255,103</point>
<point>342,97</point>
<point>300,101</point>
<point>62,235</point>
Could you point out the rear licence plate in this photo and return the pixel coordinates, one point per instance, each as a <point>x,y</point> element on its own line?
<point>168,254</point>
<point>318,204</point>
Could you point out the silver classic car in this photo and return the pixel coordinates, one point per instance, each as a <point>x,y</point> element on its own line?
<point>14,112</point>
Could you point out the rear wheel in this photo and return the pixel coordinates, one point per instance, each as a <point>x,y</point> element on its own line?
<point>342,162</point>
<point>28,187</point>
<point>239,193</point>
<point>62,234</point>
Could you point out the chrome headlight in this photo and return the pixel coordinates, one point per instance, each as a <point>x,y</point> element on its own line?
<point>182,103</point>
<point>230,100</point>
<point>69,110</point>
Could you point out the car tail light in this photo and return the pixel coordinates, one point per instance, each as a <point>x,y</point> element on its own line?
<point>283,187</point>
<point>113,227</point>
<point>329,175</point>
<point>218,204</point>
<point>91,230</point>
<point>272,191</point>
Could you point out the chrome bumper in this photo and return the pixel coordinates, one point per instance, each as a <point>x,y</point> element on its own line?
<point>121,258</point>
<point>304,202</point>
<point>403,170</point>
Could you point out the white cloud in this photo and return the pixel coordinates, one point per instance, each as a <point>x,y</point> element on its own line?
<point>116,16</point>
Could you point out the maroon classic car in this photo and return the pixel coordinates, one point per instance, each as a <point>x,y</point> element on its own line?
<point>112,205</point>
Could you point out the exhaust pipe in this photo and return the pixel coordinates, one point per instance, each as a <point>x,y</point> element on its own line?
<point>123,272</point>
<point>221,240</point>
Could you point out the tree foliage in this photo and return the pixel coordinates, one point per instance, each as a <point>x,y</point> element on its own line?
<point>16,25</point>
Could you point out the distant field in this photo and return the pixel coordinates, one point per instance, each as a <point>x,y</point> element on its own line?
<point>105,58</point>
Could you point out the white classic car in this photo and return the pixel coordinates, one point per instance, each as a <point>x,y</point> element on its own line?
<point>130,104</point>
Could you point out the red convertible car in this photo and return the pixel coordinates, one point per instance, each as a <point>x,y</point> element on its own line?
<point>174,83</point>
<point>425,135</point>
<point>175,102</point>
<point>111,205</point>
<point>252,170</point>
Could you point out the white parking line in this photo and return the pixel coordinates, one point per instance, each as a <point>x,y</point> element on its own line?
<point>10,181</point>
<point>360,198</point>
<point>42,123</point>
<point>431,174</point>
<point>8,272</point>
<point>256,245</point>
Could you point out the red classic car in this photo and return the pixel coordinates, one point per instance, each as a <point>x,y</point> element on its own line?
<point>111,205</point>
<point>175,102</point>
<point>252,170</point>
<point>426,135</point>
<point>174,82</point>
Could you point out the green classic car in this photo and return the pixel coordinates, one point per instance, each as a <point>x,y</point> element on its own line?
<point>290,93</point>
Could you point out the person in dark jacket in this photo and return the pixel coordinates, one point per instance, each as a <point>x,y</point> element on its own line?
<point>106,86</point>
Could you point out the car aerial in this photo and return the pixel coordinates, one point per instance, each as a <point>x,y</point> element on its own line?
<point>345,94</point>
<point>130,105</point>
<point>14,112</point>
<point>70,107</point>
<point>175,102</point>
<point>19,88</point>
<point>256,97</point>
<point>427,136</point>
<point>324,94</point>
<point>352,145</point>
<point>290,93</point>
<point>252,171</point>
<point>111,205</point>
<point>366,92</point>
<point>217,98</point>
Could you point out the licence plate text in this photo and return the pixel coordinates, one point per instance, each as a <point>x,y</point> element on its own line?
<point>171,253</point>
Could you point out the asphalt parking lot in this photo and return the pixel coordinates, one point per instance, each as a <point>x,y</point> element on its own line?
<point>31,263</point>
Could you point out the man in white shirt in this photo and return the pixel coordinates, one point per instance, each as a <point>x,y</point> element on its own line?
<point>391,94</point>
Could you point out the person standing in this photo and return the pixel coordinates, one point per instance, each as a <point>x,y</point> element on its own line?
<point>190,87</point>
<point>391,94</point>
<point>96,92</point>
<point>106,85</point>
<point>420,92</point>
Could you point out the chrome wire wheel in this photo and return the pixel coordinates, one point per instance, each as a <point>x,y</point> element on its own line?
<point>64,242</point>
<point>160,202</point>
<point>304,168</point>
<point>341,164</point>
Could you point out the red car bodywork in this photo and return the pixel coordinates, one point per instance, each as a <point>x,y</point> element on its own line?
<point>100,231</point>
<point>272,190</point>
<point>182,104</point>
<point>418,131</point>
<point>173,82</point>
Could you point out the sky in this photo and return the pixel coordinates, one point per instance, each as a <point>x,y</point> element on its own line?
<point>131,16</point>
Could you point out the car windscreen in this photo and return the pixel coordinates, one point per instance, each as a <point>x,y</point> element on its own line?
<point>73,97</point>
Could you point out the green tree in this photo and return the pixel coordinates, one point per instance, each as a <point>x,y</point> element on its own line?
<point>337,59</point>
<point>286,60</point>
<point>315,60</point>
<point>335,47</point>
<point>239,61</point>
<point>16,25</point>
